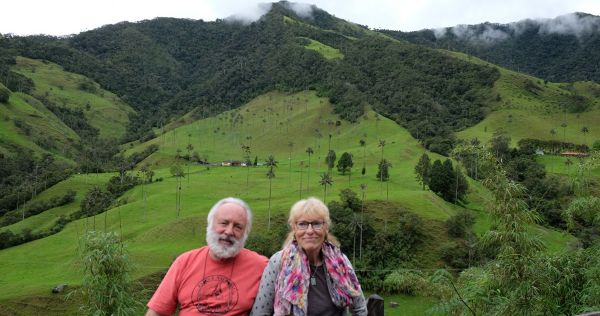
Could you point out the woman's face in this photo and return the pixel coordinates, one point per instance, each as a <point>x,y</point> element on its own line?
<point>310,233</point>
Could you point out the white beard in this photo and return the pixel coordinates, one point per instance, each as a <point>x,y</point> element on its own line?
<point>222,251</point>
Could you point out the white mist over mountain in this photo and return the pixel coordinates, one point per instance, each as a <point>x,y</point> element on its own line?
<point>577,24</point>
<point>253,13</point>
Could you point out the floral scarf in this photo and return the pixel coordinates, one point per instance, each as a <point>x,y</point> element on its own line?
<point>291,288</point>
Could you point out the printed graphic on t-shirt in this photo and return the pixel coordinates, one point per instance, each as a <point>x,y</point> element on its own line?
<point>215,294</point>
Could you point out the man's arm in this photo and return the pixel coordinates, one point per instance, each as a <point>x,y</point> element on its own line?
<point>151,312</point>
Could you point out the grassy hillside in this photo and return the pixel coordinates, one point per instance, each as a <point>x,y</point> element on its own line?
<point>27,123</point>
<point>103,110</point>
<point>44,221</point>
<point>529,107</point>
<point>270,123</point>
<point>153,233</point>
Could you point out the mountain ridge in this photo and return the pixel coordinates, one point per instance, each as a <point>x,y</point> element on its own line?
<point>562,49</point>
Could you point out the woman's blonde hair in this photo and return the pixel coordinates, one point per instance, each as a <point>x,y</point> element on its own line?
<point>310,207</point>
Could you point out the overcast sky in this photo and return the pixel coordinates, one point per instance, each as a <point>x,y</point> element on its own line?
<point>64,17</point>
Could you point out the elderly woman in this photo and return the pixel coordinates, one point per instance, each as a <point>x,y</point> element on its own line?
<point>310,275</point>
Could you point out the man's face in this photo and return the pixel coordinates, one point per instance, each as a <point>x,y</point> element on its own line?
<point>226,237</point>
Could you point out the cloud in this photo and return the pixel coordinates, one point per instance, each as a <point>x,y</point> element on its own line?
<point>303,10</point>
<point>250,13</point>
<point>492,35</point>
<point>488,35</point>
<point>440,32</point>
<point>569,24</point>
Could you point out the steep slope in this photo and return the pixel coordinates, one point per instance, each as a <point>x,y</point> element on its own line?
<point>563,49</point>
<point>167,67</point>
<point>27,123</point>
<point>529,107</point>
<point>56,88</point>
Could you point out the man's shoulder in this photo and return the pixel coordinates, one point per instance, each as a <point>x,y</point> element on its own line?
<point>250,255</point>
<point>193,254</point>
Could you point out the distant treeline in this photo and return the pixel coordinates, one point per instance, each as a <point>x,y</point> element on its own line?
<point>95,201</point>
<point>24,175</point>
<point>554,147</point>
<point>554,56</point>
<point>166,67</point>
<point>36,207</point>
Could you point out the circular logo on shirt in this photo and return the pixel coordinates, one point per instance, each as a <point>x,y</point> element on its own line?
<point>215,294</point>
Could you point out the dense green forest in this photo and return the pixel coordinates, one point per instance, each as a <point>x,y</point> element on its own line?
<point>166,67</point>
<point>564,49</point>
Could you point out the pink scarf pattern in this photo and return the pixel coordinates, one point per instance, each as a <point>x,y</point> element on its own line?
<point>291,288</point>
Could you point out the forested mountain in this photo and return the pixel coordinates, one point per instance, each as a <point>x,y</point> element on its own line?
<point>563,49</point>
<point>166,67</point>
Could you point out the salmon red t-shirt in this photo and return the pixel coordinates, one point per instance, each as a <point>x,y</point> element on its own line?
<point>204,286</point>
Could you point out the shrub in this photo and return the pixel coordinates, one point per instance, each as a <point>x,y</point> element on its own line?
<point>4,94</point>
<point>460,224</point>
<point>596,145</point>
<point>404,282</point>
<point>106,287</point>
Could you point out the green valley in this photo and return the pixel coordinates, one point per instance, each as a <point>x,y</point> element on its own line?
<point>462,173</point>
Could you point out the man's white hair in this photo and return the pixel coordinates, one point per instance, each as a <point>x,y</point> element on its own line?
<point>244,205</point>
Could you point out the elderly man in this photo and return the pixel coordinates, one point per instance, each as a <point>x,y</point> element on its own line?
<point>219,279</point>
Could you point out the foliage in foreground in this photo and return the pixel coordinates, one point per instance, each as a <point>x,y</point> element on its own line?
<point>522,280</point>
<point>107,288</point>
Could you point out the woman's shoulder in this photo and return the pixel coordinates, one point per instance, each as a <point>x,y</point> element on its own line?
<point>276,257</point>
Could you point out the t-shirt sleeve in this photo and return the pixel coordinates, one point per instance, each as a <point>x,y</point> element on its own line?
<point>164,300</point>
<point>263,304</point>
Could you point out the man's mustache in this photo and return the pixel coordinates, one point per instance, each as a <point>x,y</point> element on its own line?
<point>230,239</point>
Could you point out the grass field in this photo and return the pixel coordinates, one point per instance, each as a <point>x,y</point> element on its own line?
<point>45,220</point>
<point>278,124</point>
<point>103,110</point>
<point>327,51</point>
<point>37,122</point>
<point>529,107</point>
<point>154,234</point>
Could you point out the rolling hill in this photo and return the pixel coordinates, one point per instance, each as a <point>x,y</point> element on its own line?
<point>30,123</point>
<point>154,234</point>
<point>529,107</point>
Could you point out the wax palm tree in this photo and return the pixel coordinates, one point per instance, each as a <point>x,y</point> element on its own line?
<point>147,175</point>
<point>189,148</point>
<point>309,151</point>
<point>291,146</point>
<point>178,173</point>
<point>564,126</point>
<point>553,133</point>
<point>301,167</point>
<point>363,144</point>
<point>363,188</point>
<point>585,130</point>
<point>381,145</point>
<point>271,163</point>
<point>247,152</point>
<point>325,181</point>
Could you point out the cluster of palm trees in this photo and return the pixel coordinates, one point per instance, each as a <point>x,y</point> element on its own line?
<point>326,178</point>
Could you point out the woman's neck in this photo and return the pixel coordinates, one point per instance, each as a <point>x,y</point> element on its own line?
<point>314,257</point>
